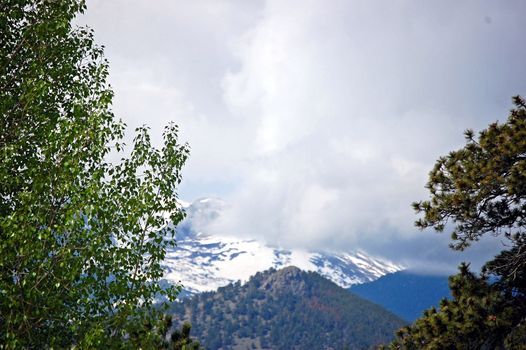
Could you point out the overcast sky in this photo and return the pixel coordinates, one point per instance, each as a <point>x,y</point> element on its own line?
<point>317,121</point>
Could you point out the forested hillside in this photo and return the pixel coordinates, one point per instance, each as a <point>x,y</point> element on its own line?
<point>286,309</point>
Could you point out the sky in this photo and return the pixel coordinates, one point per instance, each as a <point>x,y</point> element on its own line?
<point>317,121</point>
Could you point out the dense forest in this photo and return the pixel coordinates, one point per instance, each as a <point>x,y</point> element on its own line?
<point>286,309</point>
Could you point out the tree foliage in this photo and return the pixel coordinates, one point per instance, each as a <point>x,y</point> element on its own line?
<point>481,188</point>
<point>81,239</point>
<point>161,335</point>
<point>181,340</point>
<point>481,315</point>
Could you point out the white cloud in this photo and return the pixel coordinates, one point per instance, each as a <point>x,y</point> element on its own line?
<point>318,122</point>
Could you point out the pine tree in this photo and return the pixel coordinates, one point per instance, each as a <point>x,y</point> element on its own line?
<point>480,316</point>
<point>181,340</point>
<point>481,189</point>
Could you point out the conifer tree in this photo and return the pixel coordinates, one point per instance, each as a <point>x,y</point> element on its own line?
<point>480,316</point>
<point>479,189</point>
<point>181,340</point>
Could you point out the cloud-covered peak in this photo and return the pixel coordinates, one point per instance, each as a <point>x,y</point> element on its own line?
<point>317,123</point>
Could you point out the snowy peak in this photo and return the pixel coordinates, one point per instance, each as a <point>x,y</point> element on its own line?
<point>203,262</point>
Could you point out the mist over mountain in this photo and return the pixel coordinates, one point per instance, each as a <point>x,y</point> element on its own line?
<point>203,262</point>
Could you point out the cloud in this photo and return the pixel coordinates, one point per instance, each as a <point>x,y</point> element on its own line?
<point>167,63</point>
<point>317,123</point>
<point>354,103</point>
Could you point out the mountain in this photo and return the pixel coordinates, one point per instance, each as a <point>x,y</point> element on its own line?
<point>203,262</point>
<point>285,309</point>
<point>404,293</point>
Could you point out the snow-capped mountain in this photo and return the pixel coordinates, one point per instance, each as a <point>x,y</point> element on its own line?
<point>201,262</point>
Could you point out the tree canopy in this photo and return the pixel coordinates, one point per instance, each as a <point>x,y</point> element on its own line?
<point>81,239</point>
<point>481,315</point>
<point>481,189</point>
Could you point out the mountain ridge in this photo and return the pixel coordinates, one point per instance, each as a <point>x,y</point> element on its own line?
<point>286,309</point>
<point>405,293</point>
<point>202,262</point>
